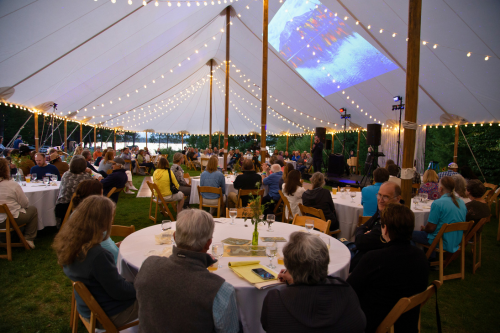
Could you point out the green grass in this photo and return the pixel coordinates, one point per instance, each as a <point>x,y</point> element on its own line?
<point>35,294</point>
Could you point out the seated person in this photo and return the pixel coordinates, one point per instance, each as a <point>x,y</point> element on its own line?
<point>127,155</point>
<point>205,301</point>
<point>430,185</point>
<point>205,154</point>
<point>286,156</point>
<point>97,153</point>
<point>55,160</point>
<point>42,168</point>
<point>320,198</point>
<point>477,208</point>
<point>163,177</point>
<point>88,157</point>
<point>98,160</point>
<point>301,163</point>
<point>196,154</point>
<point>447,209</point>
<point>272,181</point>
<point>79,251</point>
<point>294,307</point>
<point>368,235</point>
<point>256,160</point>
<point>27,164</point>
<point>452,170</point>
<point>213,178</point>
<point>12,195</point>
<point>293,191</point>
<point>141,161</point>
<point>461,188</point>
<point>249,180</point>
<point>215,151</point>
<point>296,156</point>
<point>234,158</point>
<point>308,162</point>
<point>369,193</point>
<point>288,167</point>
<point>106,163</point>
<point>393,174</point>
<point>117,178</point>
<point>399,270</point>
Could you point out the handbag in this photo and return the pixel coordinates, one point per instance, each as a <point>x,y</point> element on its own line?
<point>173,189</point>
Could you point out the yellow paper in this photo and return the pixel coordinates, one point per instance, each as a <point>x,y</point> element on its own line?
<point>242,263</point>
<point>246,273</point>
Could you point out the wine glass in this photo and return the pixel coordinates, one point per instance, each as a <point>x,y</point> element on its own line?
<point>46,181</point>
<point>352,194</point>
<point>326,239</point>
<point>309,225</point>
<point>34,176</point>
<point>54,178</point>
<point>416,200</point>
<point>225,173</point>
<point>271,251</point>
<point>423,197</point>
<point>233,212</point>
<point>218,251</point>
<point>342,192</point>
<point>348,188</point>
<point>270,220</point>
<point>166,225</point>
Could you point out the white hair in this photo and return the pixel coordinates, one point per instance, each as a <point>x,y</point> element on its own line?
<point>275,168</point>
<point>193,229</point>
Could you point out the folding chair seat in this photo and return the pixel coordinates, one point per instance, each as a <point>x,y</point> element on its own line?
<point>10,226</point>
<point>208,189</point>
<point>321,225</point>
<point>304,211</point>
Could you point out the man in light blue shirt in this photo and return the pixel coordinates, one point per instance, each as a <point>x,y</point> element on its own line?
<point>272,181</point>
<point>369,193</point>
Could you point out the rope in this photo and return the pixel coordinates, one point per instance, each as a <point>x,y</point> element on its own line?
<point>74,129</point>
<point>83,140</point>
<point>473,154</point>
<point>11,142</point>
<point>108,137</point>
<point>43,128</point>
<point>50,135</point>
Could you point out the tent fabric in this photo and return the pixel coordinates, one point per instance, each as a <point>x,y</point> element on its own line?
<point>101,58</point>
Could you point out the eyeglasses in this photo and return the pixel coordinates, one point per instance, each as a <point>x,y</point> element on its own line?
<point>384,197</point>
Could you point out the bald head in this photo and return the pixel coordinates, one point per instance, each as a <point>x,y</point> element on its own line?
<point>389,192</point>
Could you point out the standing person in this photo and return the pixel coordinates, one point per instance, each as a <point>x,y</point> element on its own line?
<point>17,142</point>
<point>42,168</point>
<point>317,152</point>
<point>184,186</point>
<point>12,195</point>
<point>178,293</point>
<point>398,270</point>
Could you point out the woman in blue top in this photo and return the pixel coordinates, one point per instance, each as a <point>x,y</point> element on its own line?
<point>447,209</point>
<point>213,178</point>
<point>78,250</point>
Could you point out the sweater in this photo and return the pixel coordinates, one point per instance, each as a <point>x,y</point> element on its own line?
<point>215,179</point>
<point>294,199</point>
<point>249,180</point>
<point>477,210</point>
<point>161,178</point>
<point>12,195</point>
<point>61,166</point>
<point>118,178</point>
<point>42,171</point>
<point>384,276</point>
<point>273,181</point>
<point>367,241</point>
<point>321,198</point>
<point>69,182</point>
<point>99,274</point>
<point>331,306</point>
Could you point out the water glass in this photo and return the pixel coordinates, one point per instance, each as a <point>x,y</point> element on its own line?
<point>309,225</point>
<point>218,251</point>
<point>166,225</point>
<point>34,176</point>
<point>423,197</point>
<point>279,255</point>
<point>54,178</point>
<point>416,200</point>
<point>270,220</point>
<point>233,212</point>
<point>46,180</point>
<point>271,252</point>
<point>348,188</point>
<point>352,194</point>
<point>326,239</point>
<point>342,192</point>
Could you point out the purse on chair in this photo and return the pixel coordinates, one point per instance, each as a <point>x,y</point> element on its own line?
<point>173,189</point>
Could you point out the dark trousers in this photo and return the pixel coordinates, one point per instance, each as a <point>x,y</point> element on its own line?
<point>317,164</point>
<point>270,207</point>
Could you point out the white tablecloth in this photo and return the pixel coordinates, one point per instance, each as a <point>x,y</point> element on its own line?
<point>195,182</point>
<point>44,199</point>
<point>348,213</point>
<point>134,248</point>
<point>293,162</point>
<point>220,163</point>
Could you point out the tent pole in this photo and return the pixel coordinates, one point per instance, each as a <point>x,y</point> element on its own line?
<point>263,116</point>
<point>65,135</point>
<point>357,153</point>
<point>333,141</point>
<point>114,139</point>
<point>146,139</point>
<point>95,138</point>
<point>182,141</point>
<point>455,150</point>
<point>210,126</point>
<point>226,116</point>
<point>81,132</point>
<point>287,142</point>
<point>311,147</point>
<point>219,141</point>
<point>412,75</point>
<point>37,142</point>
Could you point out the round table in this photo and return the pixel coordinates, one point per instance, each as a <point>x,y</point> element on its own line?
<point>292,162</point>
<point>220,162</point>
<point>44,199</point>
<point>195,182</point>
<point>134,250</point>
<point>348,213</point>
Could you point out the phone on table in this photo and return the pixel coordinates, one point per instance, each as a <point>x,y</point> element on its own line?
<point>263,273</point>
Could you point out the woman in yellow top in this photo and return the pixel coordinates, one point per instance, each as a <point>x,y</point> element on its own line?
<point>162,179</point>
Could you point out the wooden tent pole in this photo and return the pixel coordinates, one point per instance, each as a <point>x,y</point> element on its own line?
<point>357,153</point>
<point>219,142</point>
<point>263,108</point>
<point>81,132</point>
<point>333,141</point>
<point>455,150</point>
<point>210,126</point>
<point>114,139</point>
<point>146,139</point>
<point>226,113</point>
<point>37,139</point>
<point>287,142</point>
<point>95,138</point>
<point>65,135</point>
<point>412,75</point>
<point>182,142</point>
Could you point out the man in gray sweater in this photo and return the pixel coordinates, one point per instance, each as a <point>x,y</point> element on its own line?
<point>179,294</point>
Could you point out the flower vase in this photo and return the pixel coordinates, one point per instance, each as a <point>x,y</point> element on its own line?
<point>255,237</point>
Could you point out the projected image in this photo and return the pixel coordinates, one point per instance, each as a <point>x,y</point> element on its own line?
<point>316,43</point>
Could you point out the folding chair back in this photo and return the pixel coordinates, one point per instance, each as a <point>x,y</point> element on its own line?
<point>323,226</point>
<point>11,225</point>
<point>121,231</point>
<point>110,171</point>
<point>363,219</point>
<point>69,211</point>
<point>157,198</point>
<point>209,189</point>
<point>406,304</point>
<point>129,162</point>
<point>203,159</point>
<point>96,312</point>
<point>187,178</point>
<point>304,211</point>
<point>113,191</point>
<point>245,212</point>
<point>492,186</point>
<point>286,204</point>
<point>254,192</point>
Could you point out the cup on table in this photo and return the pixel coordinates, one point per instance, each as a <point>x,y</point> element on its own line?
<point>233,212</point>
<point>279,255</point>
<point>334,191</point>
<point>270,220</point>
<point>34,176</point>
<point>46,180</point>
<point>309,225</point>
<point>54,178</point>
<point>28,178</point>
<point>271,252</point>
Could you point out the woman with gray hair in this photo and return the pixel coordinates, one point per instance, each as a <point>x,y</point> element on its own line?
<point>294,307</point>
<point>320,198</point>
<point>176,168</point>
<point>460,187</point>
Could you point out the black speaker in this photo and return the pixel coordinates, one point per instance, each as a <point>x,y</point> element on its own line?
<point>336,164</point>
<point>328,144</point>
<point>321,133</point>
<point>374,134</point>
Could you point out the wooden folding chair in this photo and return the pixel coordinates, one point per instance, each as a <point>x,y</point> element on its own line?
<point>245,212</point>
<point>113,191</point>
<point>406,304</point>
<point>129,163</point>
<point>203,159</point>
<point>158,200</point>
<point>279,209</point>
<point>110,171</point>
<point>459,226</point>
<point>304,211</point>
<point>69,211</point>
<point>192,163</point>
<point>416,186</point>
<point>355,189</point>
<point>146,169</point>
<point>121,231</point>
<point>492,198</point>
<point>323,226</point>
<point>362,220</point>
<point>187,178</point>
<point>254,192</point>
<point>96,313</point>
<point>492,186</point>
<point>11,225</point>
<point>208,189</point>
<point>286,205</point>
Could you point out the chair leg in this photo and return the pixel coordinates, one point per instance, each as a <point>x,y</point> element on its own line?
<point>462,263</point>
<point>73,306</point>
<point>9,242</point>
<point>441,259</point>
<point>477,254</point>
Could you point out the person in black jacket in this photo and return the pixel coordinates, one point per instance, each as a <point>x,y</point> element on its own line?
<point>398,270</point>
<point>368,236</point>
<point>311,301</point>
<point>321,198</point>
<point>249,180</point>
<point>118,178</point>
<point>317,151</point>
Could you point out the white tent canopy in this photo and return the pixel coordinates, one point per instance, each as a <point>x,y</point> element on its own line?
<point>108,59</point>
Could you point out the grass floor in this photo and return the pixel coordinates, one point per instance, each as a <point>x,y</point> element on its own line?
<point>35,294</point>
